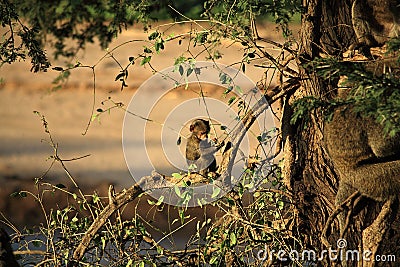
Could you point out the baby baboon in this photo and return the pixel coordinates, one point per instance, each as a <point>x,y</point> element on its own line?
<point>374,22</point>
<point>199,149</point>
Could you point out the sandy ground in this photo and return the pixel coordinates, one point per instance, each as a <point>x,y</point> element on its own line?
<point>24,147</point>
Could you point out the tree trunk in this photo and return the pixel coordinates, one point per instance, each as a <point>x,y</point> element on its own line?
<point>314,180</point>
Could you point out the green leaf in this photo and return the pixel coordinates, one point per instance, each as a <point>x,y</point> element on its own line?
<point>182,215</point>
<point>159,45</point>
<point>199,202</point>
<point>14,194</point>
<point>120,75</point>
<point>103,242</point>
<point>160,200</point>
<point>216,192</point>
<point>96,198</point>
<point>238,89</point>
<point>154,35</point>
<point>189,71</point>
<point>223,78</point>
<point>147,50</point>
<point>177,191</point>
<point>181,70</point>
<point>94,117</point>
<point>37,243</point>
<point>232,239</point>
<point>60,9</point>
<point>214,259</point>
<point>231,202</point>
<point>228,90</point>
<point>180,60</point>
<point>145,60</point>
<point>201,38</point>
<point>280,204</point>
<point>177,175</point>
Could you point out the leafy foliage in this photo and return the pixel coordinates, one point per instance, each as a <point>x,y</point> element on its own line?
<point>10,50</point>
<point>68,26</point>
<point>239,15</point>
<point>370,92</point>
<point>80,21</point>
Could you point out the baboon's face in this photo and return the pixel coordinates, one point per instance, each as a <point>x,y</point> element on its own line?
<point>202,134</point>
<point>200,128</point>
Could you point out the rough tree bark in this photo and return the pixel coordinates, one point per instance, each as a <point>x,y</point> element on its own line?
<point>326,28</point>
